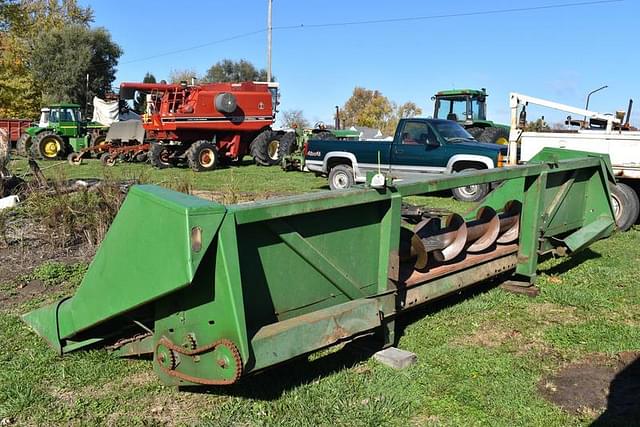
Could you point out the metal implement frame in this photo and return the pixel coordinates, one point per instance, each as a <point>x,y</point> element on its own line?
<point>216,292</point>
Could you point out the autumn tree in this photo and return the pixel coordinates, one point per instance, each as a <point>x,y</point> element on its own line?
<point>182,75</point>
<point>140,101</point>
<point>294,117</point>
<point>228,70</point>
<point>372,109</point>
<point>21,24</point>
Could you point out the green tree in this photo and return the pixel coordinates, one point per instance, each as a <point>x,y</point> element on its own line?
<point>140,101</point>
<point>294,117</point>
<point>21,24</point>
<point>62,59</point>
<point>537,126</point>
<point>228,70</point>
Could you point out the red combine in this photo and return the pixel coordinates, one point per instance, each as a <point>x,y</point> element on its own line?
<point>205,124</point>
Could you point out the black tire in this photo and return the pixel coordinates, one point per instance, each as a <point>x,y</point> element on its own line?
<point>48,145</point>
<point>494,136</point>
<point>475,132</point>
<point>159,155</point>
<point>23,145</point>
<point>107,160</point>
<point>74,159</point>
<point>626,205</point>
<point>471,193</point>
<point>141,157</point>
<point>265,148</point>
<point>341,177</point>
<point>203,156</point>
<point>287,145</point>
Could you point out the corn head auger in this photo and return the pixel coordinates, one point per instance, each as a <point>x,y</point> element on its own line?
<point>217,292</point>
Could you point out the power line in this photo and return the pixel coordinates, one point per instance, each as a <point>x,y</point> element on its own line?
<point>380,21</point>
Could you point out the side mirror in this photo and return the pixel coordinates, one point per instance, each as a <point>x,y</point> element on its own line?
<point>432,142</point>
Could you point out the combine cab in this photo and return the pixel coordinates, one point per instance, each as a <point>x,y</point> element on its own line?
<point>469,108</point>
<point>206,124</point>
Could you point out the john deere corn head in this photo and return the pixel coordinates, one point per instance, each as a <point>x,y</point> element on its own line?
<point>218,292</point>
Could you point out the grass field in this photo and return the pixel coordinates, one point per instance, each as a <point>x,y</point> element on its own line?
<point>485,357</point>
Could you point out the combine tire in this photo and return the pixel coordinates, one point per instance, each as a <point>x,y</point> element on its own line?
<point>23,145</point>
<point>471,193</point>
<point>341,177</point>
<point>626,205</point>
<point>160,156</point>
<point>74,159</point>
<point>265,148</point>
<point>48,145</point>
<point>494,136</point>
<point>202,156</point>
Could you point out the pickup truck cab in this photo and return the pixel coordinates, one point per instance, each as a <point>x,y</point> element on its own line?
<point>420,146</point>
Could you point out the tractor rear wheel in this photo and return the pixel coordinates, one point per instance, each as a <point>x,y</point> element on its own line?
<point>48,145</point>
<point>475,132</point>
<point>202,156</point>
<point>494,136</point>
<point>160,156</point>
<point>287,145</point>
<point>265,148</point>
<point>23,145</point>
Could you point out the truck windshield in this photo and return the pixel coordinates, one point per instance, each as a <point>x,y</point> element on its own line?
<point>452,132</point>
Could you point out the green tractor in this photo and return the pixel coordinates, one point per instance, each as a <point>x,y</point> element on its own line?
<point>295,159</point>
<point>60,131</point>
<point>469,108</point>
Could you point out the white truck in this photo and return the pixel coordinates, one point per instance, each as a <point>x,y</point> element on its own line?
<point>598,133</point>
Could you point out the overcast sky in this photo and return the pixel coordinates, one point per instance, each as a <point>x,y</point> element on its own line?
<point>555,53</point>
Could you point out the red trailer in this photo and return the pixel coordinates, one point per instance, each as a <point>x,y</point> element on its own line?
<point>207,123</point>
<point>15,127</point>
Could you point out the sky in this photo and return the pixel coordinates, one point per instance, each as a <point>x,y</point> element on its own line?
<point>557,53</point>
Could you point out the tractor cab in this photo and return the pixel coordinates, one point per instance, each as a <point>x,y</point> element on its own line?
<point>468,107</point>
<point>44,118</point>
<point>465,106</point>
<point>66,118</point>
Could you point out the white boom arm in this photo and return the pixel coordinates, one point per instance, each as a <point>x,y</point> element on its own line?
<point>517,99</point>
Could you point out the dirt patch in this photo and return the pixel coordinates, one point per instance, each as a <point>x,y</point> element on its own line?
<point>490,335</point>
<point>547,313</point>
<point>597,385</point>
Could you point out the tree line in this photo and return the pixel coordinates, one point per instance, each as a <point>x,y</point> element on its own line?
<point>48,49</point>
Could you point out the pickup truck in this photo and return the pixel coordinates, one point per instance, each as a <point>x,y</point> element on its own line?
<point>419,146</point>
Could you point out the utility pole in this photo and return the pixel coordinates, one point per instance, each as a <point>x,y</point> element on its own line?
<point>269,28</point>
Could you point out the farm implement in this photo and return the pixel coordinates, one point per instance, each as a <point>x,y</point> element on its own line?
<point>215,293</point>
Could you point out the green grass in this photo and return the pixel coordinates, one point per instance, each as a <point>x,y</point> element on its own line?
<point>480,355</point>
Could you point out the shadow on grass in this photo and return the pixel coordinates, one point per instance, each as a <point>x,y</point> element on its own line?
<point>570,262</point>
<point>623,402</point>
<point>273,382</point>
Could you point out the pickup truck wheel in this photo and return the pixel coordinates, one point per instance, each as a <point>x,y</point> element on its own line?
<point>626,205</point>
<point>470,193</point>
<point>341,177</point>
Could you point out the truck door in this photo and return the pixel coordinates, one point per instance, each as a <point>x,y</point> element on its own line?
<point>416,149</point>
